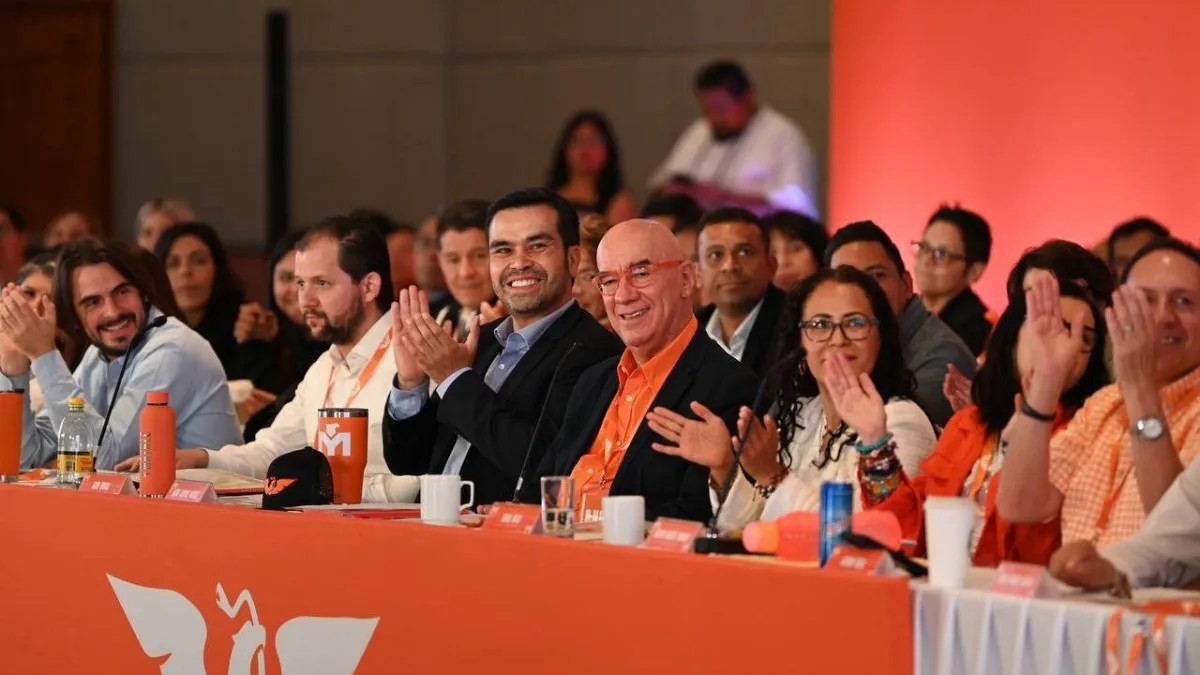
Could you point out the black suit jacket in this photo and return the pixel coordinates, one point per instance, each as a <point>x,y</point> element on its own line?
<point>966,315</point>
<point>499,425</point>
<point>760,345</point>
<point>672,487</point>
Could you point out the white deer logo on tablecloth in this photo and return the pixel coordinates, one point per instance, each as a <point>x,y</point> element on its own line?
<point>167,624</point>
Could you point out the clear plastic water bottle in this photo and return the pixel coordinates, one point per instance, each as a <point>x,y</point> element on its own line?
<point>76,450</point>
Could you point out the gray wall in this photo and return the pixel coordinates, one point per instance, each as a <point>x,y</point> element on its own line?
<point>405,104</point>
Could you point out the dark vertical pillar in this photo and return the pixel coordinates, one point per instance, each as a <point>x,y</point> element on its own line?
<point>279,179</point>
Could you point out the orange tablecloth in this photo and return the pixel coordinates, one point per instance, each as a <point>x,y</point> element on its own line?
<point>408,597</point>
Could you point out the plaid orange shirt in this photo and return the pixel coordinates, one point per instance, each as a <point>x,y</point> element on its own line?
<point>1081,460</point>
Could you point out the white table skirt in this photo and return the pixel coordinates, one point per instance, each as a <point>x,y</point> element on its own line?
<point>971,631</point>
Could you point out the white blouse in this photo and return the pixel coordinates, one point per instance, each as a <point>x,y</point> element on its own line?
<point>801,490</point>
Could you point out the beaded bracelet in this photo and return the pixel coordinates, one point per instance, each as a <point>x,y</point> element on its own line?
<point>767,490</point>
<point>873,447</point>
<point>879,489</point>
<point>879,473</point>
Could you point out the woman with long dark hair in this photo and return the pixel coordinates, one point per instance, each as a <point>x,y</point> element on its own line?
<point>209,298</point>
<point>968,459</point>
<point>586,168</point>
<point>1065,260</point>
<point>849,397</point>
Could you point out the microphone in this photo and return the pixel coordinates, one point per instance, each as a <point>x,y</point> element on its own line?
<point>540,418</point>
<point>711,542</point>
<point>137,337</point>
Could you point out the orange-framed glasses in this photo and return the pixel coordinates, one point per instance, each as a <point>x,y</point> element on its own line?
<point>638,275</point>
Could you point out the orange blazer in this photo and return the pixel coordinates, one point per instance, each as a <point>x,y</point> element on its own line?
<point>945,472</point>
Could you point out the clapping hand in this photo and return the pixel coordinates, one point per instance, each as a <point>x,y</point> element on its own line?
<point>489,312</point>
<point>957,388</point>
<point>704,441</point>
<point>1053,348</point>
<point>419,343</point>
<point>855,398</point>
<point>254,322</point>
<point>1134,337</point>
<point>29,325</point>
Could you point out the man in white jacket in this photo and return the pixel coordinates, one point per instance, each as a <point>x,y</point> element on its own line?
<point>344,283</point>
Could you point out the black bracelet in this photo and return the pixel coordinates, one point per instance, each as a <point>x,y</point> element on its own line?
<point>1039,416</point>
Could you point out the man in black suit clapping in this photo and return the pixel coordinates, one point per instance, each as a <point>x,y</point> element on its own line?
<point>479,420</point>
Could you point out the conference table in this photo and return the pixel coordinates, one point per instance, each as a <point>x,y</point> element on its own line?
<point>96,583</point>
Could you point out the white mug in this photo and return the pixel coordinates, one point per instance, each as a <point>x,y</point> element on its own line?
<point>441,498</point>
<point>624,519</point>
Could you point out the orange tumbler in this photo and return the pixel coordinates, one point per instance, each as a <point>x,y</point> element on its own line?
<point>342,437</point>
<point>11,412</point>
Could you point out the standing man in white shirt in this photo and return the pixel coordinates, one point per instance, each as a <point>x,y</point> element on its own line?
<point>736,271</point>
<point>740,152</point>
<point>343,278</point>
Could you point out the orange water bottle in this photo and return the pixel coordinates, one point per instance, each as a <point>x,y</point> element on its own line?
<point>156,445</point>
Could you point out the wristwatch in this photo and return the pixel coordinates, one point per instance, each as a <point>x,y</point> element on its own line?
<point>1148,428</point>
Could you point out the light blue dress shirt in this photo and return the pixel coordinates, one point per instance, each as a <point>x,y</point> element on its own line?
<point>172,358</point>
<point>405,403</point>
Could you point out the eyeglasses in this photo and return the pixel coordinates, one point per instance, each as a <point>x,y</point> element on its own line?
<point>854,328</point>
<point>638,275</point>
<point>939,255</point>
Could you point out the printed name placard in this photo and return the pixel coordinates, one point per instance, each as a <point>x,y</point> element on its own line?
<point>669,534</point>
<point>1023,580</point>
<point>193,491</point>
<point>860,561</point>
<point>523,518</point>
<point>107,483</point>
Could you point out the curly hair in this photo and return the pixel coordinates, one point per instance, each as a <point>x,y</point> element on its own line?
<point>890,374</point>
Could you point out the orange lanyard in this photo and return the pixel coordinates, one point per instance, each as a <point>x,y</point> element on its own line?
<point>985,463</point>
<point>364,377</point>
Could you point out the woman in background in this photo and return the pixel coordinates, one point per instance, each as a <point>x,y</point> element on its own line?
<point>798,244</point>
<point>1066,261</point>
<point>586,168</point>
<point>35,279</point>
<point>157,216</point>
<point>209,299</point>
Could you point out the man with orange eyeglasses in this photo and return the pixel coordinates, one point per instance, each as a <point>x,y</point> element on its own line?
<point>604,442</point>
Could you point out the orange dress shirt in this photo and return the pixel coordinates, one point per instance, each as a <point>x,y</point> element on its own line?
<point>964,449</point>
<point>637,387</point>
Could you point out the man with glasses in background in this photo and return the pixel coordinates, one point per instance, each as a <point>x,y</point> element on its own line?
<point>951,256</point>
<point>604,443</point>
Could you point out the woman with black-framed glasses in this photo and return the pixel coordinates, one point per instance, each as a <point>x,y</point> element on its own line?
<point>846,403</point>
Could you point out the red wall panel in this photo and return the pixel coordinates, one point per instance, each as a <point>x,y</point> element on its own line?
<point>1052,119</point>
